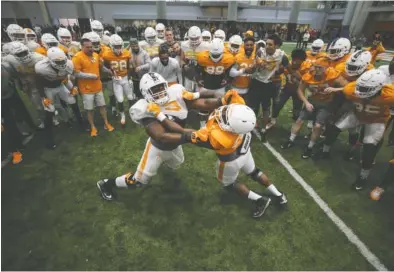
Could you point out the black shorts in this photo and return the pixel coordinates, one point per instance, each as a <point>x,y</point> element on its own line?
<point>261,93</point>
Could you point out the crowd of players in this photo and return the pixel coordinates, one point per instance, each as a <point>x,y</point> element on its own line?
<point>225,82</point>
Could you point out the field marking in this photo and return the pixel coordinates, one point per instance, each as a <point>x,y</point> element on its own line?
<point>351,236</point>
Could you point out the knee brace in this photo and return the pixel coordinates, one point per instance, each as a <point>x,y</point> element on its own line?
<point>255,175</point>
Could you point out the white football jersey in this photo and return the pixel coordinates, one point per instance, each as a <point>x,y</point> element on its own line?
<point>73,48</point>
<point>272,64</point>
<point>190,52</point>
<point>26,71</point>
<point>169,72</point>
<point>175,107</point>
<point>151,49</point>
<point>45,69</point>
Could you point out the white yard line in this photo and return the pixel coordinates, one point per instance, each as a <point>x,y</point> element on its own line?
<point>362,248</point>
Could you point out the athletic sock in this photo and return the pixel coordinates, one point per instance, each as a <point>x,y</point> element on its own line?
<point>272,189</point>
<point>292,137</point>
<point>311,144</point>
<point>253,196</point>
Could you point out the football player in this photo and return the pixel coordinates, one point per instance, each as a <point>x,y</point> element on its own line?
<point>339,51</point>
<point>298,67</point>
<point>234,45</point>
<point>160,28</point>
<point>316,51</point>
<point>160,104</point>
<point>16,33</point>
<point>48,41</point>
<point>166,66</point>
<point>317,104</point>
<point>190,48</point>
<point>30,35</point>
<point>151,43</point>
<point>372,98</point>
<point>65,39</point>
<point>243,68</point>
<point>228,133</point>
<point>118,60</point>
<point>206,36</point>
<point>97,27</point>
<point>219,34</point>
<point>23,62</point>
<point>51,73</point>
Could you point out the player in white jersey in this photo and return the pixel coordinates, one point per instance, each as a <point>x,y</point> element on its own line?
<point>190,49</point>
<point>151,43</point>
<point>65,38</point>
<point>53,75</point>
<point>30,35</point>
<point>163,145</point>
<point>166,66</point>
<point>23,61</point>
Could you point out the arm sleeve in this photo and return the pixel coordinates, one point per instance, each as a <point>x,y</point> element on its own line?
<point>85,75</point>
<point>147,62</point>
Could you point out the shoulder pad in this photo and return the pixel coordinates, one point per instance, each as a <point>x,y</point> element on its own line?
<point>138,111</point>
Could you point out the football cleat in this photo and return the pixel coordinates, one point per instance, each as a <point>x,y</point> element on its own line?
<point>376,193</point>
<point>287,144</point>
<point>261,205</point>
<point>122,118</point>
<point>307,153</point>
<point>109,127</point>
<point>93,132</point>
<point>105,190</point>
<point>359,184</point>
<point>282,199</point>
<point>16,157</point>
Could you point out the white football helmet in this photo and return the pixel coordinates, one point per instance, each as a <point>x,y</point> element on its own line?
<point>30,35</point>
<point>235,118</point>
<point>317,46</point>
<point>220,35</point>
<point>97,27</point>
<point>16,33</point>
<point>48,41</point>
<point>21,52</point>
<point>94,38</point>
<point>6,50</point>
<point>235,43</point>
<point>370,83</point>
<point>194,36</point>
<point>154,88</point>
<point>216,50</point>
<point>339,48</point>
<point>160,28</point>
<point>150,35</point>
<point>32,45</point>
<point>358,63</point>
<point>64,36</point>
<point>57,58</point>
<point>105,39</point>
<point>116,44</point>
<point>206,36</point>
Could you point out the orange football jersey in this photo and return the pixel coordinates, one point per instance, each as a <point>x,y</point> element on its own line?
<point>43,51</point>
<point>214,72</point>
<point>119,63</point>
<point>375,110</point>
<point>317,87</point>
<point>88,64</point>
<point>243,62</point>
<point>375,51</point>
<point>312,58</point>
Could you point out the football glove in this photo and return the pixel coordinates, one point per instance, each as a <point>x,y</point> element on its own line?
<point>189,95</point>
<point>200,135</point>
<point>47,104</point>
<point>232,97</point>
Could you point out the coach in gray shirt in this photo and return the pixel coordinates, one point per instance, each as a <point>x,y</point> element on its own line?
<point>141,64</point>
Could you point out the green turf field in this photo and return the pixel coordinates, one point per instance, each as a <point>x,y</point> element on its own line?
<point>54,219</point>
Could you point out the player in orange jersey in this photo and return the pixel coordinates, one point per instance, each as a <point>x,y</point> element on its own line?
<point>316,105</point>
<point>316,51</point>
<point>243,68</point>
<point>48,41</point>
<point>376,49</point>
<point>372,100</point>
<point>338,51</point>
<point>118,60</point>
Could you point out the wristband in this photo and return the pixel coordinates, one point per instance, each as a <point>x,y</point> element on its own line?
<point>161,116</point>
<point>196,95</point>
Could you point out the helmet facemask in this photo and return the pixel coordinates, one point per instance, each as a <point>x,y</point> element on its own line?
<point>31,37</point>
<point>195,41</point>
<point>315,50</point>
<point>367,92</point>
<point>59,63</point>
<point>234,48</point>
<point>100,32</point>
<point>221,117</point>
<point>158,94</point>
<point>354,70</point>
<point>117,49</point>
<point>23,56</point>
<point>18,37</point>
<point>66,40</point>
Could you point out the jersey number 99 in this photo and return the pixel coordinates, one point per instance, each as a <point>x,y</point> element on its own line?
<point>215,70</point>
<point>119,65</point>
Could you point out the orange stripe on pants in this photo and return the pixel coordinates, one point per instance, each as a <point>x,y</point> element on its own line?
<point>144,159</point>
<point>221,169</point>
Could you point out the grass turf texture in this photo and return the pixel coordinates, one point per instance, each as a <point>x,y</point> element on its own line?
<point>54,219</point>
